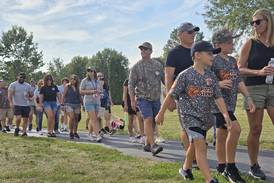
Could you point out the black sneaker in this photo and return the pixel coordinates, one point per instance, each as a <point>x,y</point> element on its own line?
<point>71,135</point>
<point>147,148</point>
<point>4,131</point>
<point>256,172</point>
<point>220,168</point>
<point>7,128</point>
<point>186,174</point>
<point>76,135</point>
<point>16,132</point>
<point>214,181</point>
<point>30,127</point>
<point>155,149</point>
<point>233,175</point>
<point>24,134</point>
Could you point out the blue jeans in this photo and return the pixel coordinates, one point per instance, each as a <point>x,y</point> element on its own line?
<point>39,116</point>
<point>56,124</point>
<point>148,108</point>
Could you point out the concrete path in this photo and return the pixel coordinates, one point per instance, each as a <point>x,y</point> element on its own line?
<point>173,152</point>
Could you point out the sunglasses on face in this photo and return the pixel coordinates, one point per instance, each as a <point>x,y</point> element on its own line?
<point>144,49</point>
<point>22,77</point>
<point>89,70</point>
<point>73,79</point>
<point>191,32</point>
<point>257,22</point>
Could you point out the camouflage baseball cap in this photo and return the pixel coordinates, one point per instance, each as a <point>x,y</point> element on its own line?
<point>221,36</point>
<point>146,45</point>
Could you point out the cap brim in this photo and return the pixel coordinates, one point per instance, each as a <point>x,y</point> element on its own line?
<point>216,50</point>
<point>195,29</point>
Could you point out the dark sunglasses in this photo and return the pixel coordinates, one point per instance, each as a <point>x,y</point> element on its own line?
<point>257,22</point>
<point>191,32</point>
<point>22,77</point>
<point>90,70</point>
<point>144,49</point>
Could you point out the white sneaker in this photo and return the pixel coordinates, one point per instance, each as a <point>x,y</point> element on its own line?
<point>142,140</point>
<point>99,138</point>
<point>40,132</point>
<point>160,140</point>
<point>132,140</point>
<point>91,138</point>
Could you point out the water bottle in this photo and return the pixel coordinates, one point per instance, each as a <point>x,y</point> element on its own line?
<point>269,78</point>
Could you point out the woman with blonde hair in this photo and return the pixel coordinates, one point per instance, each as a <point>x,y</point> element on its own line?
<point>39,109</point>
<point>254,65</point>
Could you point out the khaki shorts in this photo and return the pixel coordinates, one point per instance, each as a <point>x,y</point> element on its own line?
<point>6,113</point>
<point>262,96</point>
<point>73,108</point>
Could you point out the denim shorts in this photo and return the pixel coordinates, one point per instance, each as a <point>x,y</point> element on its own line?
<point>148,108</point>
<point>91,107</point>
<point>50,105</point>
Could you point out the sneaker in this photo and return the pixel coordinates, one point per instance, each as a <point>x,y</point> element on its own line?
<point>220,169</point>
<point>256,172</point>
<point>160,140</point>
<point>76,135</point>
<point>57,131</point>
<point>186,174</point>
<point>71,135</point>
<point>7,128</point>
<point>155,149</point>
<point>141,140</point>
<point>99,138</point>
<point>4,131</point>
<point>16,132</point>
<point>147,148</point>
<point>24,134</point>
<point>53,134</point>
<point>233,175</point>
<point>214,181</point>
<point>91,138</point>
<point>40,132</point>
<point>30,127</point>
<point>132,140</point>
<point>138,136</point>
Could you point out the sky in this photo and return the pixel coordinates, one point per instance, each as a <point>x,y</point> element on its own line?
<point>68,28</point>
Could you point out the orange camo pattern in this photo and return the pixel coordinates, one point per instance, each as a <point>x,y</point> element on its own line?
<point>223,74</point>
<point>193,91</point>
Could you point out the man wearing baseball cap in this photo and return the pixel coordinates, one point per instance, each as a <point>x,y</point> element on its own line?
<point>145,84</point>
<point>179,59</point>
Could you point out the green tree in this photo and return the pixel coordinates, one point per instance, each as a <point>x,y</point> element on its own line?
<point>199,36</point>
<point>18,53</point>
<point>114,66</point>
<point>233,14</point>
<point>57,69</point>
<point>77,66</point>
<point>172,42</point>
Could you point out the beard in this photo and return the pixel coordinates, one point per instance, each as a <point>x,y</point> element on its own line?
<point>21,81</point>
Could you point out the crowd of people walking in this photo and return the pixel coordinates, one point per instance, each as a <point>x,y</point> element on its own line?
<point>202,81</point>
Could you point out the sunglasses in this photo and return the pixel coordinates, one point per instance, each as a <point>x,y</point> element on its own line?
<point>90,70</point>
<point>22,77</point>
<point>191,32</point>
<point>144,49</point>
<point>257,22</point>
<point>73,79</point>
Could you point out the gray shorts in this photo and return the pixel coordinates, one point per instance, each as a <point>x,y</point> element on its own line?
<point>6,113</point>
<point>76,108</point>
<point>195,133</point>
<point>262,96</point>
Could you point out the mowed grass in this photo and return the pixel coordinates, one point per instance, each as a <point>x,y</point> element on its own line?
<point>42,160</point>
<point>171,127</point>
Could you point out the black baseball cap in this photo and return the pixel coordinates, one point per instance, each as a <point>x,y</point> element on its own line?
<point>204,46</point>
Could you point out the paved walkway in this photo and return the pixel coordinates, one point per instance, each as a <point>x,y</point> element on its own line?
<point>173,152</point>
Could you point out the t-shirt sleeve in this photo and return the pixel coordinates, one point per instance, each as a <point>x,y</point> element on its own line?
<point>82,85</point>
<point>11,87</point>
<point>216,89</point>
<point>132,80</point>
<point>178,86</point>
<point>171,59</point>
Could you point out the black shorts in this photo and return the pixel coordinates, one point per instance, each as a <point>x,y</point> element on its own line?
<point>220,120</point>
<point>22,111</point>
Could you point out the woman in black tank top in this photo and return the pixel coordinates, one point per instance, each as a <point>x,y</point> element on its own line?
<point>253,64</point>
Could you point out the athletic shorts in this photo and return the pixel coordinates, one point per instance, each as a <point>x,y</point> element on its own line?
<point>21,111</point>
<point>6,113</point>
<point>195,133</point>
<point>220,120</point>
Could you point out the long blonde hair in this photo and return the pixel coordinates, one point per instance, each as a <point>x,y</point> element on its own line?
<point>267,15</point>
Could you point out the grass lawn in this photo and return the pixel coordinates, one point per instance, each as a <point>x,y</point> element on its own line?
<point>171,127</point>
<point>42,160</point>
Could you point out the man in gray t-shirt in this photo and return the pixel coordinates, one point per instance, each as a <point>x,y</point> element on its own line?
<point>19,94</point>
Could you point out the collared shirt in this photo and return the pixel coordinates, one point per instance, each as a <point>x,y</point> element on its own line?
<point>145,79</point>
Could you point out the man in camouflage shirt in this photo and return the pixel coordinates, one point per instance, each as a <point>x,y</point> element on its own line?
<point>145,85</point>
